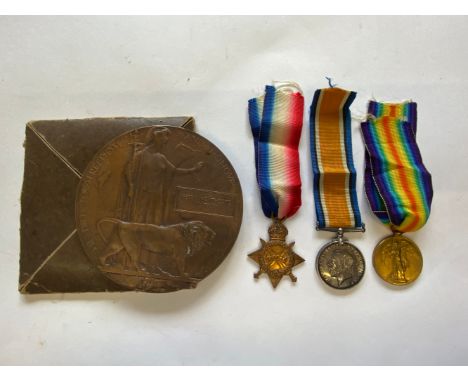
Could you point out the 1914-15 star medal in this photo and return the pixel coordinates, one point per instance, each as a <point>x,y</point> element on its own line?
<point>276,258</point>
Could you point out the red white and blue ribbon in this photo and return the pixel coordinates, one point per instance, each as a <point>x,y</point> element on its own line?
<point>276,122</point>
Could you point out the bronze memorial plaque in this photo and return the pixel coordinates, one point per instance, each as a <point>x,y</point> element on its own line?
<point>158,209</point>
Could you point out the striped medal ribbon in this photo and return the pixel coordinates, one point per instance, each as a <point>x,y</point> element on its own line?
<point>398,187</point>
<point>276,123</point>
<point>339,263</point>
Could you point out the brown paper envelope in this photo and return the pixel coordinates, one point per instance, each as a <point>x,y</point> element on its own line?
<point>52,259</point>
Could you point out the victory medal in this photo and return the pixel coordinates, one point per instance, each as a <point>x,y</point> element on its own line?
<point>398,187</point>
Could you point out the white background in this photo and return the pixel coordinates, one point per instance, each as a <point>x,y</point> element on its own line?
<point>57,67</point>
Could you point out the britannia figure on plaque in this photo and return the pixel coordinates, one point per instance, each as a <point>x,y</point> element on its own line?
<point>149,176</point>
<point>141,227</point>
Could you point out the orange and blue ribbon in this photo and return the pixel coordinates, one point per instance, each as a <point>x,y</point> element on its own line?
<point>397,184</point>
<point>335,195</point>
<point>276,123</point>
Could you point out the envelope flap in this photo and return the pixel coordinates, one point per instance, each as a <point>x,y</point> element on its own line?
<point>69,270</point>
<point>78,140</point>
<point>47,204</point>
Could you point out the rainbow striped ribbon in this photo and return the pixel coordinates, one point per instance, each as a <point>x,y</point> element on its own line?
<point>276,123</point>
<point>397,184</point>
<point>335,195</point>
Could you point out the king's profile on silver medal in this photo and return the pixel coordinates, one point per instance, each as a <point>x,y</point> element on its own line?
<point>340,264</point>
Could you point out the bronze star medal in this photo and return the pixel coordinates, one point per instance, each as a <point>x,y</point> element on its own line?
<point>275,257</point>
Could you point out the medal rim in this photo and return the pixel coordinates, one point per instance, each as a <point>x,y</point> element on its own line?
<point>321,252</point>
<point>413,244</point>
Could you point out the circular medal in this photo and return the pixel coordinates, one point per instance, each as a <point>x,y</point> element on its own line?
<point>340,265</point>
<point>397,260</point>
<point>158,209</point>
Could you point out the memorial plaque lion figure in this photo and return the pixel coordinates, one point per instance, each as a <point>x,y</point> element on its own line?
<point>177,241</point>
